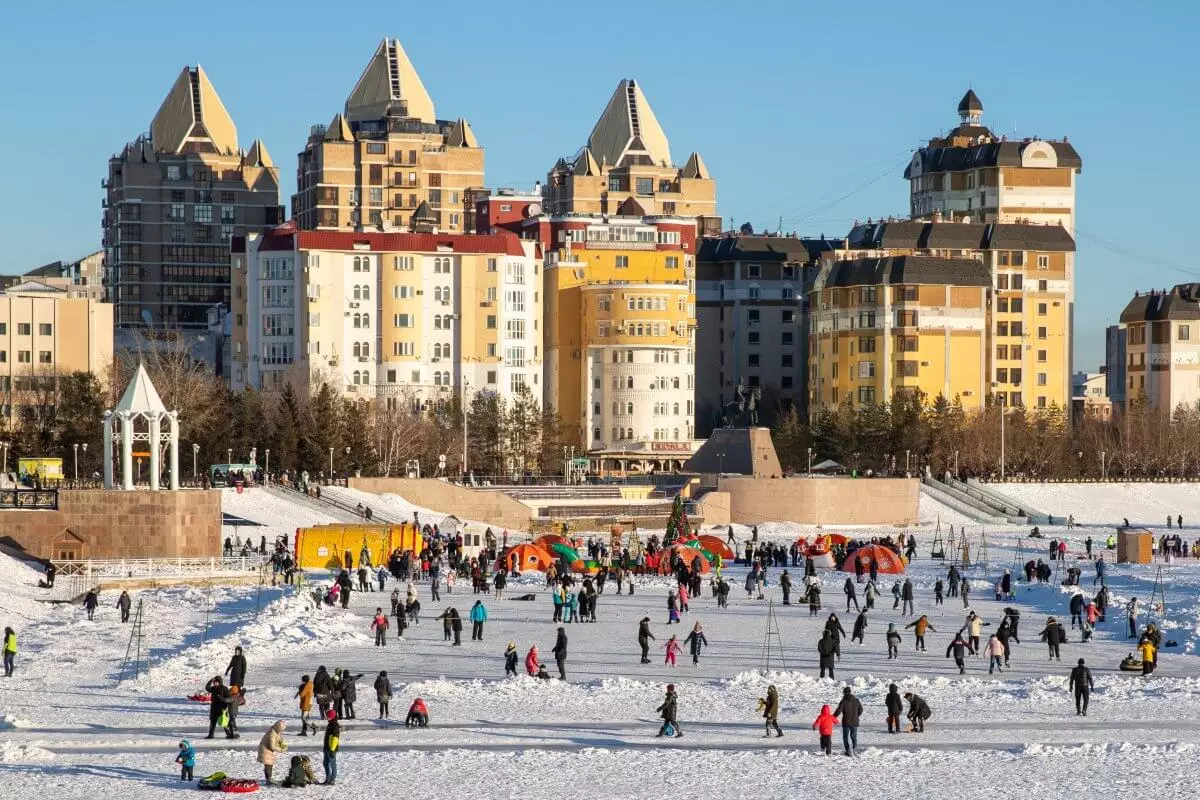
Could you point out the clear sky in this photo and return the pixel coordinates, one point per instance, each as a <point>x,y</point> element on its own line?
<point>805,111</point>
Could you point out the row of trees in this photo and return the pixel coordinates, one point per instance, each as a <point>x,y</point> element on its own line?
<point>1037,443</point>
<point>317,431</point>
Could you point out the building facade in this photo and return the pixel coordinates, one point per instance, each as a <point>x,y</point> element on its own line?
<point>1088,397</point>
<point>175,197</point>
<point>374,164</point>
<point>962,310</point>
<point>44,334</point>
<point>627,156</point>
<point>752,320</point>
<point>1114,365</point>
<point>1162,347</point>
<point>404,317</point>
<point>971,173</point>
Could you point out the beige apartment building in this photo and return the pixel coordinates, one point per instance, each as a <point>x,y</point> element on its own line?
<point>1162,347</point>
<point>45,333</point>
<point>175,197</point>
<point>374,164</point>
<point>971,173</point>
<point>628,156</point>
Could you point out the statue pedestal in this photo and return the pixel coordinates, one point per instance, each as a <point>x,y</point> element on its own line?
<point>739,451</point>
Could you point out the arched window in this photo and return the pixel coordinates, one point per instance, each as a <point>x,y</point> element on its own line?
<point>357,351</point>
<point>358,320</point>
<point>356,376</point>
<point>357,293</point>
<point>616,434</point>
<point>675,384</point>
<point>446,378</point>
<point>437,293</point>
<point>675,433</point>
<point>616,409</point>
<point>446,322</point>
<point>629,408</point>
<point>366,291</point>
<point>437,322</point>
<point>676,409</point>
<point>366,320</point>
<point>596,434</point>
<point>366,378</point>
<point>437,379</point>
<point>366,349</point>
<point>629,382</point>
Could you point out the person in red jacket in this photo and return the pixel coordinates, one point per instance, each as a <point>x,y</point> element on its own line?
<point>531,661</point>
<point>824,725</point>
<point>418,714</point>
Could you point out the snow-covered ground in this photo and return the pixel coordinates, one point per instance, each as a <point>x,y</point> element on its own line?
<point>1144,504</point>
<point>67,729</point>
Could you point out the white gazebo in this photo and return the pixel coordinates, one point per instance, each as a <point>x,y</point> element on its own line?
<point>139,417</point>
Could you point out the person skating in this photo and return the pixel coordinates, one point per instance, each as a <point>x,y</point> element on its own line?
<point>560,653</point>
<point>270,746</point>
<point>1075,606</point>
<point>826,650</point>
<point>869,593</point>
<point>9,649</point>
<point>895,705</point>
<point>644,638</point>
<point>305,695</point>
<point>834,626</point>
<point>668,711</point>
<point>330,746</point>
<point>696,639</point>
<point>814,599</point>
<point>994,651</point>
<point>906,598</point>
<point>478,616</point>
<point>349,690</point>
<point>383,693</point>
<point>456,627</point>
<point>1081,684</point>
<point>323,688</point>
<point>850,710</point>
<point>510,660</point>
<point>896,595</point>
<point>380,625</point>
<point>672,608</point>
<point>958,648</point>
<point>1053,635</point>
<point>893,641</point>
<point>186,760</point>
<point>673,649</point>
<point>964,588</point>
<point>920,625</point>
<point>938,592</point>
<point>237,668</point>
<point>918,712</point>
<point>785,584</point>
<point>860,627</point>
<point>824,725</point>
<point>418,715</point>
<point>851,595</point>
<point>124,603</point>
<point>770,707</point>
<point>973,627</point>
<point>1013,617</point>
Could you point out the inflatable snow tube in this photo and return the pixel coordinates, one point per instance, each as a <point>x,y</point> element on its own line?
<point>239,785</point>
<point>200,697</point>
<point>211,782</point>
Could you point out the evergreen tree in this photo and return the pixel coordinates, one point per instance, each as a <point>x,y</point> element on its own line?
<point>289,420</point>
<point>357,435</point>
<point>677,524</point>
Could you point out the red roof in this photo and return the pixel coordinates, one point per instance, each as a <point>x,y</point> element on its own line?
<point>506,243</point>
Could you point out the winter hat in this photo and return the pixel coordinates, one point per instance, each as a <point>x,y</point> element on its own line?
<point>1081,662</point>
<point>670,687</point>
<point>330,714</point>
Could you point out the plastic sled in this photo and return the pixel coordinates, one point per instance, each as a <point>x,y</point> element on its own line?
<point>200,697</point>
<point>239,785</point>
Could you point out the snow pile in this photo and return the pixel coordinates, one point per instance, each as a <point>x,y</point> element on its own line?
<point>11,752</point>
<point>9,722</point>
<point>1108,504</point>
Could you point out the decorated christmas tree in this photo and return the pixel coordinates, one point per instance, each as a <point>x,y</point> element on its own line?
<point>677,525</point>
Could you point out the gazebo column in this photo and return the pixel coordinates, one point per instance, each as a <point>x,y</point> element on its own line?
<point>126,450</point>
<point>155,444</point>
<point>108,450</point>
<point>173,451</point>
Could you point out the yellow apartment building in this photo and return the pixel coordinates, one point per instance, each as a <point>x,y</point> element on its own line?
<point>955,309</point>
<point>374,164</point>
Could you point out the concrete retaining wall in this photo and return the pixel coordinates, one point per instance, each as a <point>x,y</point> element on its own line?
<point>818,501</point>
<point>464,502</point>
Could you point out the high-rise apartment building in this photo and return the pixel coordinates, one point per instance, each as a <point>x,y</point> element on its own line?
<point>752,320</point>
<point>1162,348</point>
<point>175,197</point>
<point>961,310</point>
<point>1114,365</point>
<point>374,164</point>
<point>628,156</point>
<point>405,317</point>
<point>971,173</point>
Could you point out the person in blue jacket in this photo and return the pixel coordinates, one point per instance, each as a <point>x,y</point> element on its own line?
<point>478,616</point>
<point>186,760</point>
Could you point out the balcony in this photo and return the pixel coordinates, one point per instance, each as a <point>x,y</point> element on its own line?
<point>601,244</point>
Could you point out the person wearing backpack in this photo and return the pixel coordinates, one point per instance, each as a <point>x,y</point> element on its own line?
<point>383,693</point>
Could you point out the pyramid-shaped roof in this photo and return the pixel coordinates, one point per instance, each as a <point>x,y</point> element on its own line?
<point>628,126</point>
<point>461,135</point>
<point>140,395</point>
<point>193,113</point>
<point>586,163</point>
<point>338,130</point>
<point>390,86</point>
<point>695,167</point>
<point>258,155</point>
<point>630,208</point>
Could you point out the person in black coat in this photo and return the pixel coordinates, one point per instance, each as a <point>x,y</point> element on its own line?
<point>850,710</point>
<point>918,712</point>
<point>1076,607</point>
<point>644,637</point>
<point>219,700</point>
<point>894,706</point>
<point>836,631</point>
<point>322,690</point>
<point>785,584</point>
<point>349,692</point>
<point>959,648</point>
<point>826,650</point>
<point>456,626</point>
<point>860,627</point>
<point>560,653</point>
<point>851,595</point>
<point>696,639</point>
<point>1053,635</point>
<point>1081,684</point>
<point>1013,617</point>
<point>237,668</point>
<point>668,711</point>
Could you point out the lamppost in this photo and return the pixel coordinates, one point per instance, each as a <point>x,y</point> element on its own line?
<point>331,462</point>
<point>195,458</point>
<point>267,469</point>
<point>466,387</point>
<point>810,462</point>
<point>75,447</point>
<point>907,458</point>
<point>1103,467</point>
<point>566,467</point>
<point>229,456</point>
<point>5,444</point>
<point>347,462</point>
<point>1080,454</point>
<point>956,473</point>
<point>720,462</point>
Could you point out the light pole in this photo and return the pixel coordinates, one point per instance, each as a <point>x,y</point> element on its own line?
<point>195,458</point>
<point>566,467</point>
<point>1103,467</point>
<point>1080,454</point>
<point>229,456</point>
<point>5,445</point>
<point>267,470</point>
<point>907,458</point>
<point>347,465</point>
<point>955,465</point>
<point>331,462</point>
<point>75,447</point>
<point>720,462</point>
<point>466,386</point>
<point>810,462</point>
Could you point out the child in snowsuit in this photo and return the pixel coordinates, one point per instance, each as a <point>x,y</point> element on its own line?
<point>186,760</point>
<point>510,660</point>
<point>824,725</point>
<point>673,650</point>
<point>418,715</point>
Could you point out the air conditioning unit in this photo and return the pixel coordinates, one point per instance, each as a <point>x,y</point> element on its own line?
<point>434,360</point>
<point>363,359</point>
<point>924,363</point>
<point>354,305</point>
<point>575,354</point>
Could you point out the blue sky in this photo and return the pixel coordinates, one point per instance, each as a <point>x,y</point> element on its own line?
<point>793,105</point>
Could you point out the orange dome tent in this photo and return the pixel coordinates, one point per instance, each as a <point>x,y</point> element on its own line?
<point>888,562</point>
<point>526,557</point>
<point>686,553</point>
<point>716,546</point>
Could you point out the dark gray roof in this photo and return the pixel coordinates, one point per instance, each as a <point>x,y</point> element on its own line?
<point>765,248</point>
<point>1182,302</point>
<point>970,102</point>
<point>908,270</point>
<point>920,235</point>
<point>993,153</point>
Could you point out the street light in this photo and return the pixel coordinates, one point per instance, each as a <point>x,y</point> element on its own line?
<point>810,462</point>
<point>907,458</point>
<point>5,444</point>
<point>331,462</point>
<point>229,456</point>
<point>1103,467</point>
<point>956,465</point>
<point>75,447</point>
<point>347,464</point>
<point>466,387</point>
<point>195,456</point>
<point>267,471</point>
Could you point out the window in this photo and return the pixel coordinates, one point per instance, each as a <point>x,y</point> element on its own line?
<point>1185,333</point>
<point>514,329</point>
<point>403,348</point>
<point>402,320</point>
<point>622,262</point>
<point>1018,282</point>
<point>866,369</point>
<point>1002,329</point>
<point>906,319</point>
<point>1043,262</point>
<point>1017,259</point>
<point>866,395</point>
<point>672,262</point>
<point>1041,332</point>
<point>402,262</point>
<point>1041,379</point>
<point>906,369</point>
<point>1041,356</point>
<point>46,329</point>
<point>787,338</point>
<point>754,270</point>
<point>1014,375</point>
<point>1002,281</point>
<point>785,360</point>
<point>24,357</point>
<point>1041,309</point>
<point>491,322</point>
<point>24,329</point>
<point>1016,329</point>
<point>752,359</point>
<point>1017,306</point>
<point>645,186</point>
<point>906,344</point>
<point>1002,375</point>
<point>867,294</point>
<point>45,357</point>
<point>513,300</point>
<point>1001,352</point>
<point>401,292</point>
<point>491,262</point>
<point>866,319</point>
<point>1002,304</point>
<point>614,183</point>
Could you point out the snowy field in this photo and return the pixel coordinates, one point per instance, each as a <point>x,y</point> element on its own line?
<point>68,729</point>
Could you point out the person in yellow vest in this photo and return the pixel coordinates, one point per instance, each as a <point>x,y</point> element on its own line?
<point>10,652</point>
<point>1149,654</point>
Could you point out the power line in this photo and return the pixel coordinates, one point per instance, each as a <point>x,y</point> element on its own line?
<point>1135,256</point>
<point>865,184</point>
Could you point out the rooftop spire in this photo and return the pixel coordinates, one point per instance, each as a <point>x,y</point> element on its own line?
<point>390,86</point>
<point>628,127</point>
<point>970,108</point>
<point>193,117</point>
